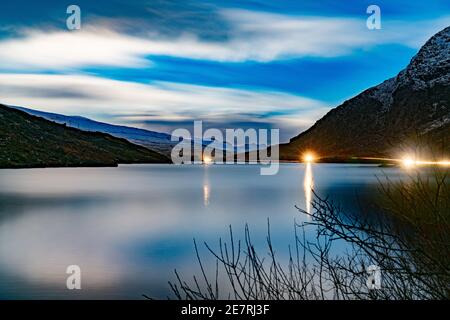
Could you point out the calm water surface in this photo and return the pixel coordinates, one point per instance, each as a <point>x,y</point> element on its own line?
<point>129,227</point>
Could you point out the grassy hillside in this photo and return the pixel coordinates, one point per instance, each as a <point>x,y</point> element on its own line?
<point>27,141</point>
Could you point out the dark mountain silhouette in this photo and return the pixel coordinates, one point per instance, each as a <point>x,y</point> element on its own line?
<point>407,113</point>
<point>30,141</point>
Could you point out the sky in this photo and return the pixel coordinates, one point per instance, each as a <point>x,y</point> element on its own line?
<point>161,64</point>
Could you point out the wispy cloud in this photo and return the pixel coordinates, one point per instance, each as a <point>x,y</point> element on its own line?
<point>55,50</point>
<point>127,102</point>
<point>246,36</point>
<point>255,36</point>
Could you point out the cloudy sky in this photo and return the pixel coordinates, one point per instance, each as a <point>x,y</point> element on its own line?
<point>160,64</point>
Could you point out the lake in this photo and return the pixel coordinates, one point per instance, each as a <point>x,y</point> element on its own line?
<point>129,227</point>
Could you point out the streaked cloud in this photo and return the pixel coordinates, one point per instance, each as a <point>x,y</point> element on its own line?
<point>252,36</point>
<point>130,102</point>
<point>55,50</point>
<point>51,69</point>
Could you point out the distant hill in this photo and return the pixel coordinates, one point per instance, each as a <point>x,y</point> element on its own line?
<point>157,141</point>
<point>408,113</point>
<point>30,141</point>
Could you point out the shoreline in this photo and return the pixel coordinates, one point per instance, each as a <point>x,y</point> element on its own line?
<point>86,165</point>
<point>115,165</point>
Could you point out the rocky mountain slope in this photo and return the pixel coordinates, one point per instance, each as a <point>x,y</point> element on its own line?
<point>407,113</point>
<point>30,141</point>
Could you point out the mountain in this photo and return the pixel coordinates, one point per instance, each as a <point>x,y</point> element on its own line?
<point>407,113</point>
<point>30,141</point>
<point>157,141</point>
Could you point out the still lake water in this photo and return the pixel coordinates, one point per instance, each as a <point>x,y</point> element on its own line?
<point>129,227</point>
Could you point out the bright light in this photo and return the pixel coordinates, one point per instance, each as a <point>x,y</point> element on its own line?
<point>207,160</point>
<point>409,162</point>
<point>444,163</point>
<point>308,157</point>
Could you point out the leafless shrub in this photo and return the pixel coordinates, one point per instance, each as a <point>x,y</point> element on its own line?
<point>409,243</point>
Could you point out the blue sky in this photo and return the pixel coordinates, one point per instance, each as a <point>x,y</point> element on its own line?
<point>161,64</point>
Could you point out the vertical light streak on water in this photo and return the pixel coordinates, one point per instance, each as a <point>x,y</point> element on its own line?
<point>206,188</point>
<point>308,185</point>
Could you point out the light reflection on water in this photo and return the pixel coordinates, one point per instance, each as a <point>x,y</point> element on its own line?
<point>129,227</point>
<point>206,187</point>
<point>308,186</point>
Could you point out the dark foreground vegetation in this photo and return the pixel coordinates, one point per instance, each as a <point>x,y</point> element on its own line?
<point>27,141</point>
<point>409,241</point>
